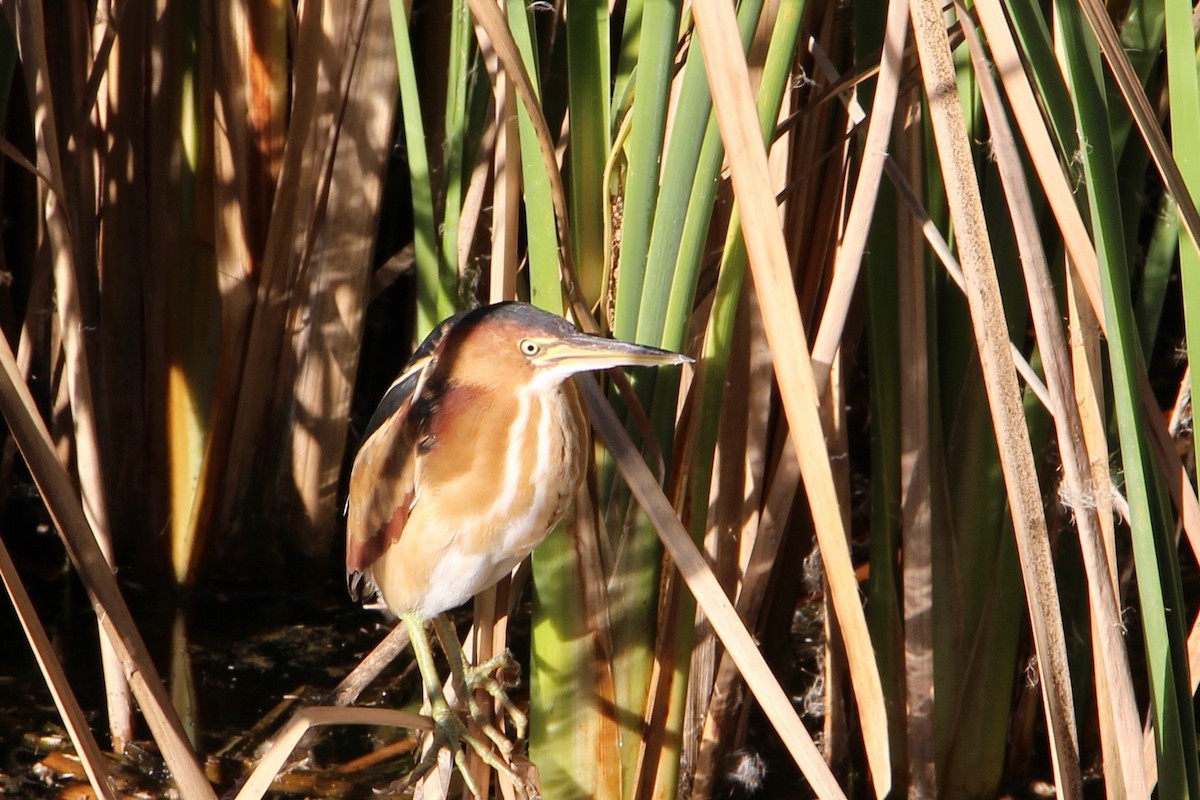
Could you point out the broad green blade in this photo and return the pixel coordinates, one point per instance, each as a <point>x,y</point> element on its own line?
<point>435,290</point>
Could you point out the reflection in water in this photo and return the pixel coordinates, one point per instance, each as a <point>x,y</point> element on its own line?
<point>237,661</point>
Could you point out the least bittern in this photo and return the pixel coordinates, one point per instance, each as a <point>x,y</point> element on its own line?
<point>473,455</point>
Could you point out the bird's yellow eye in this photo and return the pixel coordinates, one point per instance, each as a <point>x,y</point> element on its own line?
<point>529,347</point>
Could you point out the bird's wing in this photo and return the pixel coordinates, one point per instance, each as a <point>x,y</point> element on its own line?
<point>383,479</point>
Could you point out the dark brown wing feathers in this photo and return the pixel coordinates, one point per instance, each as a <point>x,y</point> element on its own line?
<point>382,481</point>
<point>361,553</point>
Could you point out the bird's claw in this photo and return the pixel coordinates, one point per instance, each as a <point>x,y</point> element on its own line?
<point>450,732</point>
<point>484,676</point>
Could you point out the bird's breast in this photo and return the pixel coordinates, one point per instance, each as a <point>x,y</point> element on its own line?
<point>534,468</point>
<point>486,496</point>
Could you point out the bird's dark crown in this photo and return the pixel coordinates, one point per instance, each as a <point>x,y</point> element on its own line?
<point>530,319</point>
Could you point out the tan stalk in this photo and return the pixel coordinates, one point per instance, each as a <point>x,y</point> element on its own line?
<point>1084,340</point>
<point>335,267</point>
<point>1042,153</point>
<point>589,540</point>
<point>500,153</point>
<point>29,28</point>
<point>10,151</point>
<point>488,623</point>
<point>726,510</point>
<point>104,35</point>
<point>858,224</point>
<point>599,747</point>
<point>487,13</point>
<point>813,278</point>
<point>1008,419</point>
<point>837,715</point>
<point>761,536</point>
<point>734,104</point>
<point>708,593</point>
<point>476,195</point>
<point>322,86</point>
<point>250,113</point>
<point>506,192</point>
<point>367,670</point>
<point>304,720</point>
<point>916,496</point>
<point>816,245</point>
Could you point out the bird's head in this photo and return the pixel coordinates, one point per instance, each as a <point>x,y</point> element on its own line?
<point>509,342</point>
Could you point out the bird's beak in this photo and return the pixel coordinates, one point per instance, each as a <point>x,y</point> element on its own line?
<point>583,353</point>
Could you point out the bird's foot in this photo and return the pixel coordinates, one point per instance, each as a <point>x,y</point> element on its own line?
<point>495,676</point>
<point>450,732</point>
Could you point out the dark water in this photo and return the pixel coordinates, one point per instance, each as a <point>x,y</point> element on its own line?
<point>249,651</point>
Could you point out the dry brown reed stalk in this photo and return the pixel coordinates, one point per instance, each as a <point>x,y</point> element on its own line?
<point>302,247</point>
<point>506,184</point>
<point>916,490</point>
<point>772,278</point>
<point>601,747</point>
<point>1016,455</point>
<point>853,242</point>
<point>367,670</point>
<point>325,318</point>
<point>64,214</point>
<point>250,116</point>
<point>1083,335</point>
<point>272,762</point>
<point>500,160</point>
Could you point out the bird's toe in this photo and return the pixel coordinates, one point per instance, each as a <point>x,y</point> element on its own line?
<point>496,676</point>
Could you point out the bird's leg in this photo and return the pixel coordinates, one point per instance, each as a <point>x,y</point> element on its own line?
<point>481,677</point>
<point>449,730</point>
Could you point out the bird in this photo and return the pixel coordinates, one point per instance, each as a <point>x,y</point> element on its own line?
<point>472,456</point>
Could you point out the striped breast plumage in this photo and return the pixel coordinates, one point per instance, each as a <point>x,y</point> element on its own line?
<point>491,474</point>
